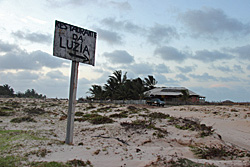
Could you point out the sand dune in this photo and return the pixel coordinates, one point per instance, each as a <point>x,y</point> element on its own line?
<point>124,135</point>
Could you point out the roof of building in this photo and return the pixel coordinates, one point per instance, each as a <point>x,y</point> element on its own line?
<point>170,91</point>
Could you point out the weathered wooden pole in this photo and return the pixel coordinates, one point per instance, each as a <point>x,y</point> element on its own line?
<point>72,102</point>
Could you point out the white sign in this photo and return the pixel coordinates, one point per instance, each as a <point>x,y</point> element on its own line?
<point>74,43</point>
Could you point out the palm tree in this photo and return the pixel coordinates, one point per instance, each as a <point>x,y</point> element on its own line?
<point>150,82</point>
<point>97,92</point>
<point>118,78</point>
<point>114,83</point>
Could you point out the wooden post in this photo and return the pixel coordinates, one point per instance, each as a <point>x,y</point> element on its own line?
<point>72,102</point>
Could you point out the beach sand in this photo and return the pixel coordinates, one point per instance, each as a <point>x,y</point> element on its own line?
<point>135,138</point>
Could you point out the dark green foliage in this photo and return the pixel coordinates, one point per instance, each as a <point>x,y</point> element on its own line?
<point>120,115</point>
<point>101,120</point>
<point>22,119</point>
<point>76,163</point>
<point>159,115</point>
<point>143,124</point>
<point>48,164</point>
<point>194,125</point>
<point>30,94</point>
<point>91,106</point>
<point>35,111</point>
<point>70,163</point>
<point>184,162</point>
<point>10,161</point>
<point>78,114</point>
<point>118,87</point>
<point>6,90</point>
<point>5,111</point>
<point>95,119</point>
<point>220,152</point>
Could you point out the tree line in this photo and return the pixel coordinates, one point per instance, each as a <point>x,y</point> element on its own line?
<point>119,87</point>
<point>7,91</point>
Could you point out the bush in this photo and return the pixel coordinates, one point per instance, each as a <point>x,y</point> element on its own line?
<point>22,119</point>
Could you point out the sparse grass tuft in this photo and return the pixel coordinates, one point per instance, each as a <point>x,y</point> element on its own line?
<point>23,119</point>
<point>158,115</point>
<point>76,162</point>
<point>35,111</point>
<point>219,152</point>
<point>6,111</point>
<point>10,161</point>
<point>234,110</point>
<point>120,115</point>
<point>95,119</point>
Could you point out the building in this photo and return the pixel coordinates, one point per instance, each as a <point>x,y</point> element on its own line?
<point>175,95</point>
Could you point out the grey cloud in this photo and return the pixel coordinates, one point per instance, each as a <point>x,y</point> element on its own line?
<point>111,37</point>
<point>224,68</point>
<point>210,21</point>
<point>125,25</point>
<point>235,93</point>
<point>229,79</point>
<point>160,34</point>
<point>210,56</point>
<point>119,57</point>
<point>170,53</point>
<point>23,60</point>
<point>204,77</point>
<point>33,37</point>
<point>186,69</point>
<point>162,68</point>
<point>120,5</point>
<point>6,47</point>
<point>141,68</point>
<point>248,67</point>
<point>63,3</point>
<point>243,52</point>
<point>163,81</point>
<point>182,77</point>
<point>238,68</point>
<point>21,80</point>
<point>56,75</point>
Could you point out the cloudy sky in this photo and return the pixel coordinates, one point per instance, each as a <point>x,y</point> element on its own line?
<point>203,45</point>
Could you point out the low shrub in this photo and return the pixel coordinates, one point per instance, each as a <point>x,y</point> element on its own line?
<point>23,119</point>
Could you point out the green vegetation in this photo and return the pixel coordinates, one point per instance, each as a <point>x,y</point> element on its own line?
<point>95,119</point>
<point>120,88</point>
<point>220,152</point>
<point>6,111</point>
<point>75,162</point>
<point>179,162</point>
<point>193,125</point>
<point>143,124</point>
<point>184,162</point>
<point>7,137</point>
<point>10,161</point>
<point>34,111</point>
<point>7,91</point>
<point>23,119</point>
<point>120,115</point>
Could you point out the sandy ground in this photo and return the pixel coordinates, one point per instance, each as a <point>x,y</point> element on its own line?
<point>121,144</point>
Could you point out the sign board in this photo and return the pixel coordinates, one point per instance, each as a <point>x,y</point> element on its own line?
<point>74,43</point>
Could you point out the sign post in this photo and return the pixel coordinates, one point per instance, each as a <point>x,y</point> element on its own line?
<point>76,44</point>
<point>72,102</point>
